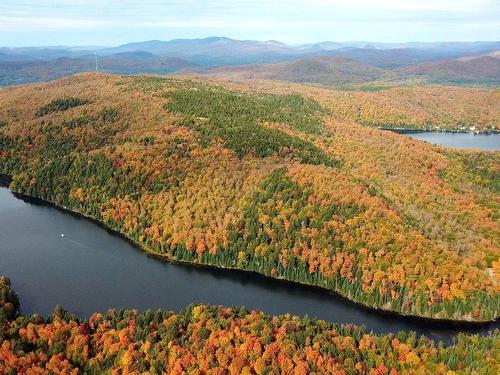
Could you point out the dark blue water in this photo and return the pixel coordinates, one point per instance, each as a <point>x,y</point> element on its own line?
<point>91,269</point>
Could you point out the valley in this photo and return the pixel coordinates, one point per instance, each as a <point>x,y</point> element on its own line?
<point>122,276</point>
<point>408,228</point>
<point>353,65</point>
<point>249,187</point>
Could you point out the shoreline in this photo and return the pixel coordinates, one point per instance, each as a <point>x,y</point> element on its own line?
<point>454,324</point>
<point>400,130</point>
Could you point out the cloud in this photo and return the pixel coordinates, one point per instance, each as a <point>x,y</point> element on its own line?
<point>310,20</point>
<point>404,5</point>
<point>12,23</point>
<point>146,9</point>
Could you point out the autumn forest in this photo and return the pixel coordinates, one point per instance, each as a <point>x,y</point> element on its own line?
<point>285,180</point>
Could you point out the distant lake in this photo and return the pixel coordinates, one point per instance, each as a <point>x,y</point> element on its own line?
<point>470,141</point>
<point>91,269</point>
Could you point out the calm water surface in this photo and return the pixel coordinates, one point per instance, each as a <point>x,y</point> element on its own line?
<point>484,142</point>
<point>91,269</point>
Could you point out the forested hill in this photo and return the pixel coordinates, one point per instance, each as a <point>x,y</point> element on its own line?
<point>384,104</point>
<point>355,73</point>
<point>271,181</point>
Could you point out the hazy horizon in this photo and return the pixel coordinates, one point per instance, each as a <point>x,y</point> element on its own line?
<point>91,46</point>
<point>95,23</point>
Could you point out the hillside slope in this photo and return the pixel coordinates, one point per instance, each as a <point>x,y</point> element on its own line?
<point>19,72</point>
<point>266,182</point>
<point>429,108</point>
<point>328,71</point>
<point>412,107</point>
<point>472,70</point>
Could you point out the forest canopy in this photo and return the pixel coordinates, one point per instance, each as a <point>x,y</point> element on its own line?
<point>205,339</point>
<point>271,182</point>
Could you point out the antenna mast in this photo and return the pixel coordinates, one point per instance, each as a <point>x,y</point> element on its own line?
<point>95,53</point>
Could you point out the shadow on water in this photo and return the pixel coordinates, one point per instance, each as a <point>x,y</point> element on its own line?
<point>93,269</point>
<point>5,180</point>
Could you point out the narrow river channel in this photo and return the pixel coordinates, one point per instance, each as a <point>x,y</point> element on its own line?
<point>91,269</point>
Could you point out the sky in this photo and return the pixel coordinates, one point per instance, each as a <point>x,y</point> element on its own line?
<point>114,22</point>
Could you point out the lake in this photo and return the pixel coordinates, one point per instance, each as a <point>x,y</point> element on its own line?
<point>470,141</point>
<point>92,269</point>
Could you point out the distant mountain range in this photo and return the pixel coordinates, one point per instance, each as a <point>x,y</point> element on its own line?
<point>212,51</point>
<point>341,71</point>
<point>328,63</point>
<point>16,72</point>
